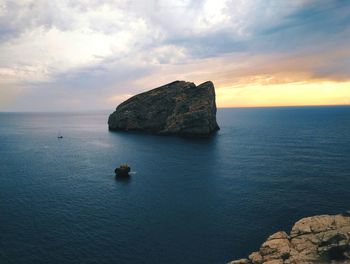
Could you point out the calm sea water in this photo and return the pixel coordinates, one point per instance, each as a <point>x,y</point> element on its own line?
<point>190,201</point>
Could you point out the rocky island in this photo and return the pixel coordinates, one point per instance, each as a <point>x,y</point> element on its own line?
<point>319,239</point>
<point>177,108</point>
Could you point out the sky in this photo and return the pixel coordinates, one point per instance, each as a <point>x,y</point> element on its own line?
<point>67,55</point>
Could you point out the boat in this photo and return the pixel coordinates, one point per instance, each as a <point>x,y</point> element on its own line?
<point>123,170</point>
<point>59,136</point>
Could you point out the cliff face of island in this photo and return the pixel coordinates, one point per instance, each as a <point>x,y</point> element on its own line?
<point>178,108</point>
<point>318,239</point>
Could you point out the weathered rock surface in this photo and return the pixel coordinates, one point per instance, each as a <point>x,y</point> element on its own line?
<point>180,108</point>
<point>318,239</point>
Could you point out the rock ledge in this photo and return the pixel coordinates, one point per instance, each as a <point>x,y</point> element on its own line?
<point>319,239</point>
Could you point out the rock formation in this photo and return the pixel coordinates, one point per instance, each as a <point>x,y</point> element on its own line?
<point>180,108</point>
<point>318,239</point>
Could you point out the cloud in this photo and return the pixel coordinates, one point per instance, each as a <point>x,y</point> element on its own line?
<point>92,50</point>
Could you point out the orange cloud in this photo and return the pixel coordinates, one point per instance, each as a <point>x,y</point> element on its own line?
<point>264,80</point>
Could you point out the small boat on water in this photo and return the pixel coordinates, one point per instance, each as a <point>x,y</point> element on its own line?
<point>123,170</point>
<point>59,136</point>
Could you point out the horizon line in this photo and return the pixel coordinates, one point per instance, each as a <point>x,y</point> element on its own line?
<point>224,107</point>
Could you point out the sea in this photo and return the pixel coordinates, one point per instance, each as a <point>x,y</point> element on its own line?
<point>208,200</point>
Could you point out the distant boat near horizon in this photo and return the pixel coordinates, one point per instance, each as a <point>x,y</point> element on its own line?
<point>59,136</point>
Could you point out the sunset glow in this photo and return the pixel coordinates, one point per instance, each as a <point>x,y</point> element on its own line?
<point>290,94</point>
<point>93,54</point>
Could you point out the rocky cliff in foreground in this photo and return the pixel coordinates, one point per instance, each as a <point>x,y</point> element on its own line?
<point>318,239</point>
<point>180,108</point>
